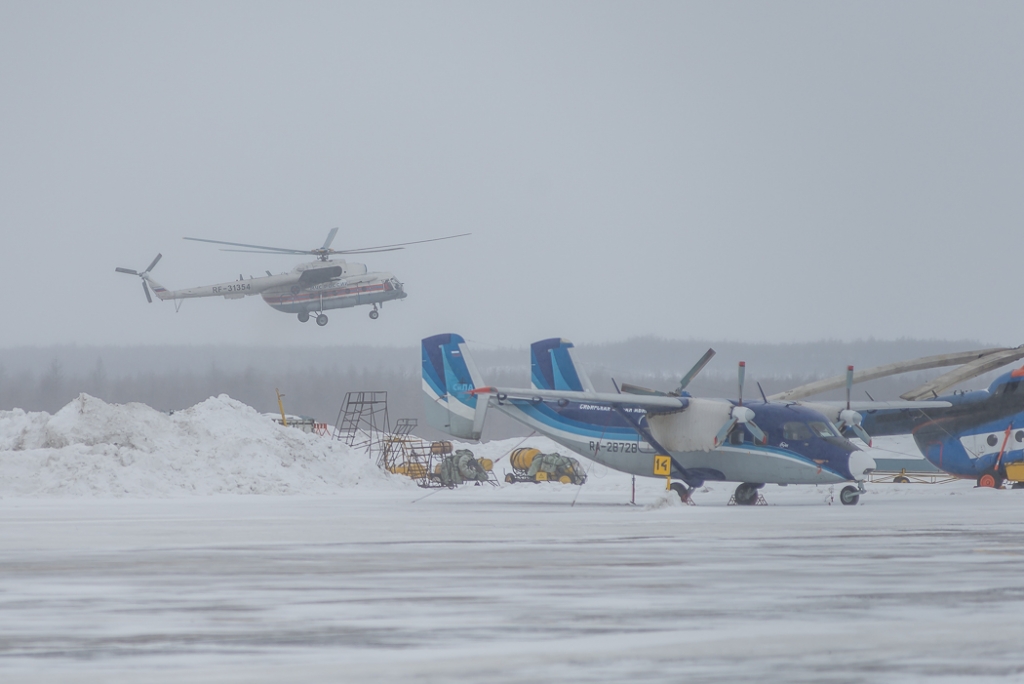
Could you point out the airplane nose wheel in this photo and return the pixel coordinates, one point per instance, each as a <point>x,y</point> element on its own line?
<point>321,320</point>
<point>849,496</point>
<point>746,494</point>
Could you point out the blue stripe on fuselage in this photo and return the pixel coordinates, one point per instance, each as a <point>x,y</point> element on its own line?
<point>592,421</point>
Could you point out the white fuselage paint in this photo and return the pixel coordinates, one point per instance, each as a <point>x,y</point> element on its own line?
<point>287,292</point>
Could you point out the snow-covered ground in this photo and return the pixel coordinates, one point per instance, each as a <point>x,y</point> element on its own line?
<point>366,578</point>
<point>91,448</point>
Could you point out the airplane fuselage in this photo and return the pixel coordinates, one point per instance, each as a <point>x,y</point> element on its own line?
<point>796,451</point>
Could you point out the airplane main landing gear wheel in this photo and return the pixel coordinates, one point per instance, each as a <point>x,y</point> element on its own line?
<point>849,496</point>
<point>682,490</point>
<point>303,317</point>
<point>321,320</point>
<point>374,314</point>
<point>991,479</point>
<point>746,494</point>
<point>901,479</point>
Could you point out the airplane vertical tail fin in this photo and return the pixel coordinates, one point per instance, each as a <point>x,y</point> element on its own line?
<point>449,375</point>
<point>553,367</point>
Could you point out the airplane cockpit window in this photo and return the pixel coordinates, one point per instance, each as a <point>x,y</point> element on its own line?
<point>797,432</point>
<point>823,429</point>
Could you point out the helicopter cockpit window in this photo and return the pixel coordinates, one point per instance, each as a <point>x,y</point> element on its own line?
<point>797,432</point>
<point>823,429</point>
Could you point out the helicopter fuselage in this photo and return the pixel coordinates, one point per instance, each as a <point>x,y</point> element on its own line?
<point>311,287</point>
<point>337,293</point>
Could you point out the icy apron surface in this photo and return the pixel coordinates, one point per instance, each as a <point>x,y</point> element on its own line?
<point>518,584</point>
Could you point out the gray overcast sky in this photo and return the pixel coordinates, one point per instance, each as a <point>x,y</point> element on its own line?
<point>751,171</point>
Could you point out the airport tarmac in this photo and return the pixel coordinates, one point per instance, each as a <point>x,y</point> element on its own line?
<point>523,583</point>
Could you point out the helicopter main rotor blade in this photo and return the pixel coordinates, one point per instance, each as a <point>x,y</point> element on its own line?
<point>365,251</point>
<point>242,244</point>
<point>330,238</point>
<point>261,251</point>
<point>398,244</point>
<point>126,270</point>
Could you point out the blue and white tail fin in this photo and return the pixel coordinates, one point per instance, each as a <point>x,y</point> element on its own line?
<point>553,367</point>
<point>449,375</point>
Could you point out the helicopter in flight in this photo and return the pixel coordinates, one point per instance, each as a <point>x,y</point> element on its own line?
<point>308,290</point>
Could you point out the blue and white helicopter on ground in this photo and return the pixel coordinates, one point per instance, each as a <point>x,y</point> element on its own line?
<point>977,435</point>
<point>655,434</point>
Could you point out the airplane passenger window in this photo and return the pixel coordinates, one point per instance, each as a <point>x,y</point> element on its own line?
<point>798,432</point>
<point>822,429</point>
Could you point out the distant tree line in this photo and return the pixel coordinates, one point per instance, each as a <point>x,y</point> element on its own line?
<point>314,381</point>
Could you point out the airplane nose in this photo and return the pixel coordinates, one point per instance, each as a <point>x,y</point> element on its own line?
<point>861,465</point>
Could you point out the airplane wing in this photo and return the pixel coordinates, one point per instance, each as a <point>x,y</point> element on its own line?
<point>1005,354</point>
<point>606,398</point>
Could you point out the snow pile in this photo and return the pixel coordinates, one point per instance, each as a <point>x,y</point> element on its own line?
<point>91,448</point>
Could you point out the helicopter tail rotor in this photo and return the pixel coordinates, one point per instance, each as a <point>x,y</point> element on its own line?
<point>143,275</point>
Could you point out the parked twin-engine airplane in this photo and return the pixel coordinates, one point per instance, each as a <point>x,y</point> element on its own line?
<point>978,435</point>
<point>308,289</point>
<point>656,434</point>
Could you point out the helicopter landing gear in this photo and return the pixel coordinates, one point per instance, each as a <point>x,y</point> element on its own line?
<point>303,316</point>
<point>991,478</point>
<point>374,314</point>
<point>321,320</point>
<point>746,494</point>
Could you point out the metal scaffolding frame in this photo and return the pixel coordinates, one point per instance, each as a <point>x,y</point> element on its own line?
<point>363,422</point>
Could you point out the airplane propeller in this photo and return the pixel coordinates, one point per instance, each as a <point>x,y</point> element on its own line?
<point>690,375</point>
<point>852,419</point>
<point>143,274</point>
<point>741,414</point>
<point>697,368</point>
